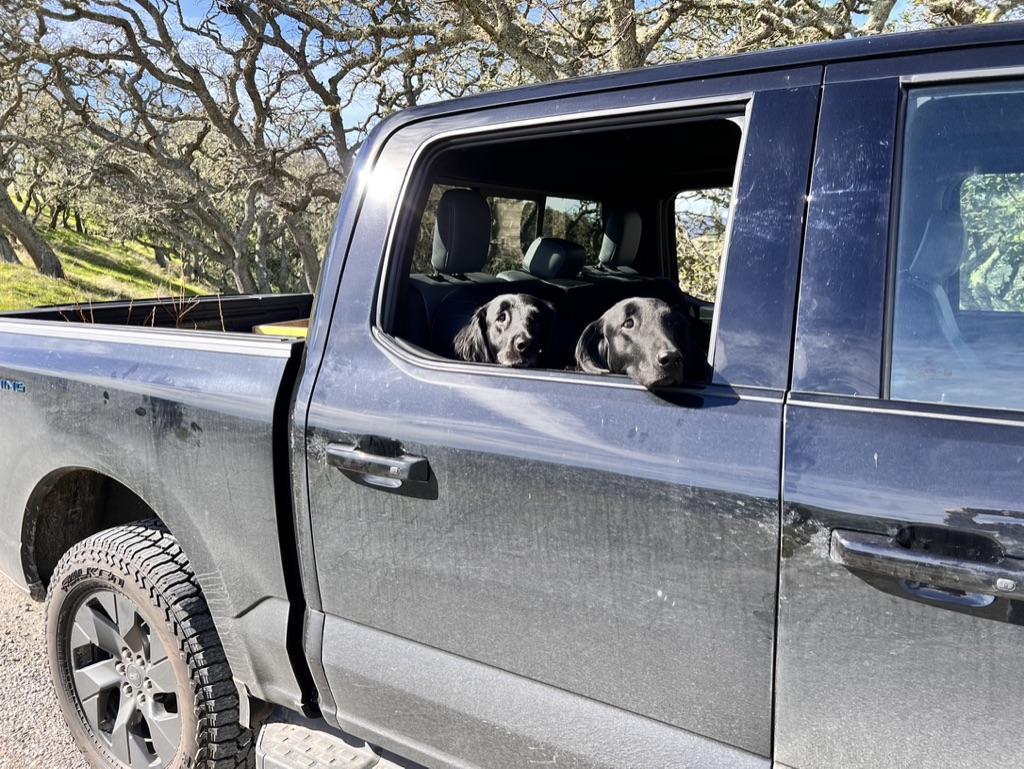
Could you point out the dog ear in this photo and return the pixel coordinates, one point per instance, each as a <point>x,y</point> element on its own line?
<point>592,349</point>
<point>471,342</point>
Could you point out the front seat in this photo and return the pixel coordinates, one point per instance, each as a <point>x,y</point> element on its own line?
<point>462,236</point>
<point>619,246</point>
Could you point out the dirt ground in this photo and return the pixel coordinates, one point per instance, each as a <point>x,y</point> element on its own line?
<point>32,732</point>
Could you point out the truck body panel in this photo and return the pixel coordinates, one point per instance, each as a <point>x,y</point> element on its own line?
<point>182,419</point>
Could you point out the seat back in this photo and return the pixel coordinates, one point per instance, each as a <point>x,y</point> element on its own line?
<point>619,246</point>
<point>462,236</point>
<point>923,295</point>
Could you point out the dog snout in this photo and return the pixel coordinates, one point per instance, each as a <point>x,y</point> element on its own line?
<point>669,358</point>
<point>520,343</point>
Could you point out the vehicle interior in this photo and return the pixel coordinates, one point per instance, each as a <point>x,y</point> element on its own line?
<point>959,305</point>
<point>581,217</point>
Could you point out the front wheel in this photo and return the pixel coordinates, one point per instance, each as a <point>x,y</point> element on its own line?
<point>136,662</point>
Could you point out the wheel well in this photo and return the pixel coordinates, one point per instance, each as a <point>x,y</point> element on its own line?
<point>66,507</point>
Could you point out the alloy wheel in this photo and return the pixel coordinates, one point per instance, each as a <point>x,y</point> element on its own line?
<point>124,680</point>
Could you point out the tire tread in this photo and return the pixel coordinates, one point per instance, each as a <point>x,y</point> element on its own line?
<point>146,552</point>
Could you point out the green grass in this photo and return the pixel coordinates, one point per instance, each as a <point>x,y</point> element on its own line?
<point>97,270</point>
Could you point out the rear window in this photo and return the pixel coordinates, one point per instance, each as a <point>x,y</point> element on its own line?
<point>513,228</point>
<point>575,220</point>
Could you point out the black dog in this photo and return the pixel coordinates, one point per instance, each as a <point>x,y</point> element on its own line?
<point>643,338</point>
<point>511,330</point>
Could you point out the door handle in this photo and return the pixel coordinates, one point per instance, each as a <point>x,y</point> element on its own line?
<point>402,467</point>
<point>879,554</point>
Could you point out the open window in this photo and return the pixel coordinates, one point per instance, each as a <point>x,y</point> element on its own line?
<point>579,217</point>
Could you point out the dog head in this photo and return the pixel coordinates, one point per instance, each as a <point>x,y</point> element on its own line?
<point>510,330</point>
<point>642,338</point>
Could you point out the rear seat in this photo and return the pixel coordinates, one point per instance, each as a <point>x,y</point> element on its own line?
<point>617,276</point>
<point>558,263</point>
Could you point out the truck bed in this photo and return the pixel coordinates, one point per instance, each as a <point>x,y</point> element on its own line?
<point>210,313</point>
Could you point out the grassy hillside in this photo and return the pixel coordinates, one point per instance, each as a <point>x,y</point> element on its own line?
<point>97,270</point>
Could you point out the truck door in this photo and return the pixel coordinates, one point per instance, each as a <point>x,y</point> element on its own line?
<point>903,536</point>
<point>549,567</point>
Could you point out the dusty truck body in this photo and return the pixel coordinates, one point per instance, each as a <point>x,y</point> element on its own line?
<point>359,547</point>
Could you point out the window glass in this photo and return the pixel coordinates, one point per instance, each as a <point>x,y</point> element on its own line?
<point>513,228</point>
<point>701,217</point>
<point>575,220</point>
<point>958,316</point>
<point>425,235</point>
<point>992,207</point>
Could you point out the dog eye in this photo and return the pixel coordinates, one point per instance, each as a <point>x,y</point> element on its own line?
<point>628,323</point>
<point>502,317</point>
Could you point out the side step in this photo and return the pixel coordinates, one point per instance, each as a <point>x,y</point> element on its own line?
<point>290,746</point>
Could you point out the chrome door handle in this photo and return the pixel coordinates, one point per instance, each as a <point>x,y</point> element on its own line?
<point>879,554</point>
<point>404,467</point>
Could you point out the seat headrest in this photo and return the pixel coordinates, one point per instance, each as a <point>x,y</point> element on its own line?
<point>621,242</point>
<point>942,247</point>
<point>462,233</point>
<point>548,258</point>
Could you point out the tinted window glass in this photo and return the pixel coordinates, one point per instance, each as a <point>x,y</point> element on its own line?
<point>958,323</point>
<point>513,228</point>
<point>575,220</point>
<point>992,207</point>
<point>701,217</point>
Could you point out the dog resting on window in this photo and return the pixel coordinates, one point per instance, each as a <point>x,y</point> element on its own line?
<point>644,338</point>
<point>516,330</point>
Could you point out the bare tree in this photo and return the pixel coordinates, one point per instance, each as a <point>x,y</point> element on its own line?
<point>18,137</point>
<point>224,135</point>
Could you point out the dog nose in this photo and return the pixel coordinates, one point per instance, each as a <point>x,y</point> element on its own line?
<point>669,358</point>
<point>520,343</point>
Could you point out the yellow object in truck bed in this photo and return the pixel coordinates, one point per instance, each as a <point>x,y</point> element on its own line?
<point>296,328</point>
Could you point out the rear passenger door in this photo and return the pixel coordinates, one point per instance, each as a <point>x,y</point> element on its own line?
<point>587,574</point>
<point>903,534</point>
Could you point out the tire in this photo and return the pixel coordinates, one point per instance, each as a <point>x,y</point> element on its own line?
<point>167,699</point>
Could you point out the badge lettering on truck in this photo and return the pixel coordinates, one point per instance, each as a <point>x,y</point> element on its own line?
<point>12,385</point>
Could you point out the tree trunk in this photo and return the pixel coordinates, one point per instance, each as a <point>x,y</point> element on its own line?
<point>54,215</point>
<point>7,255</point>
<point>310,262</point>
<point>64,217</point>
<point>243,278</point>
<point>160,254</point>
<point>38,249</point>
<point>626,53</point>
<point>878,16</point>
<point>78,222</point>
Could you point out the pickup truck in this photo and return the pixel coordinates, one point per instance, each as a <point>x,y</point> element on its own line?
<point>356,549</point>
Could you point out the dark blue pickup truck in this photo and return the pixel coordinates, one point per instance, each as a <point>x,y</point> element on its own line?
<point>364,547</point>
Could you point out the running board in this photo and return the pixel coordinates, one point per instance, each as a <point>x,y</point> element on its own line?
<point>290,746</point>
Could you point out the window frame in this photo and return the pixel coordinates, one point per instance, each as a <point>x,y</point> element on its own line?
<point>908,84</point>
<point>405,220</point>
